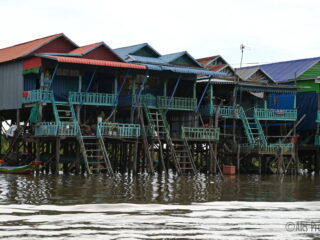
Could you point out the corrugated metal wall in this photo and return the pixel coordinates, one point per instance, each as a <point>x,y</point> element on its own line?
<point>11,85</point>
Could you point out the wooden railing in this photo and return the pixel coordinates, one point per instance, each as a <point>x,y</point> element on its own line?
<point>37,96</point>
<point>224,111</point>
<point>275,114</point>
<point>97,99</point>
<point>191,133</point>
<point>177,103</point>
<point>119,130</point>
<point>66,129</point>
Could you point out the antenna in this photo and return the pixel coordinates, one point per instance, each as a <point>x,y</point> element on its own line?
<point>242,47</point>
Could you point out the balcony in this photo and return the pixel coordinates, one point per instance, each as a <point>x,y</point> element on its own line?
<point>176,103</point>
<point>64,129</point>
<point>270,148</point>
<point>224,111</point>
<point>274,147</point>
<point>201,133</point>
<point>39,95</point>
<point>118,130</point>
<point>96,99</point>
<point>275,114</point>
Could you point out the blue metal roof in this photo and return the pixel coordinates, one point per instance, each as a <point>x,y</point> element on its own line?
<point>125,51</point>
<point>173,56</point>
<point>184,70</point>
<point>134,58</point>
<point>288,70</point>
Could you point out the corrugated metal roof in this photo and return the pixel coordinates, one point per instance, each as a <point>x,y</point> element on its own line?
<point>134,58</point>
<point>207,60</point>
<point>94,62</point>
<point>174,56</point>
<point>125,51</point>
<point>24,49</point>
<point>84,50</point>
<point>183,70</point>
<point>246,73</point>
<point>255,87</point>
<point>87,48</point>
<point>288,70</point>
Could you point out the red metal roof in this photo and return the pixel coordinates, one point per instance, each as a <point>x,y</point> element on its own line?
<point>94,62</point>
<point>23,49</point>
<point>216,68</point>
<point>206,60</point>
<point>85,49</point>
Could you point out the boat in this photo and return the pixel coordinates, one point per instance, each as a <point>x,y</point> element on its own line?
<point>24,169</point>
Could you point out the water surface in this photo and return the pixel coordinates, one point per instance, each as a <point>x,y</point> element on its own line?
<point>158,207</point>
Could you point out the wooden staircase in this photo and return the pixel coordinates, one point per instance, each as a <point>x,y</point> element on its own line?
<point>253,130</point>
<point>159,130</point>
<point>93,148</point>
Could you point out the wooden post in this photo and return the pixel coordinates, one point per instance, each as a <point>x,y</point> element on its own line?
<point>38,152</point>
<point>238,159</point>
<point>58,143</point>
<point>78,156</point>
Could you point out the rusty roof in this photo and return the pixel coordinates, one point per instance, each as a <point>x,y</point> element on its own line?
<point>205,61</point>
<point>85,49</point>
<point>87,61</point>
<point>25,49</point>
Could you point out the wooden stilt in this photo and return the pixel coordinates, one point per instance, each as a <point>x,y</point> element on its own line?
<point>58,144</point>
<point>238,158</point>
<point>78,156</point>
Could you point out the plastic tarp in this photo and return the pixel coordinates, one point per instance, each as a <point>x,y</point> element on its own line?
<point>280,101</point>
<point>33,118</point>
<point>307,103</point>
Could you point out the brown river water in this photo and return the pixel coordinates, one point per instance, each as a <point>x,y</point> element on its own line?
<point>159,207</point>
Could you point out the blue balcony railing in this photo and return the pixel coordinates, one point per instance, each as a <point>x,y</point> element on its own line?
<point>275,114</point>
<point>177,103</point>
<point>37,96</point>
<point>118,130</point>
<point>224,111</point>
<point>96,99</point>
<point>191,133</point>
<point>64,129</point>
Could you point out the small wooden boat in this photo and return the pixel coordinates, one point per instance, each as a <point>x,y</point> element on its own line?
<point>25,169</point>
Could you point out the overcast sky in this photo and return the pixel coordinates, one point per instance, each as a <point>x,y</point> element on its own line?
<point>274,30</point>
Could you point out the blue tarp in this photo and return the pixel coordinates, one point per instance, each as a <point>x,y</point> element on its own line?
<point>307,103</point>
<point>280,101</point>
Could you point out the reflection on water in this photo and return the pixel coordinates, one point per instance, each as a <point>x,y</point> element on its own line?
<point>157,207</point>
<point>15,189</point>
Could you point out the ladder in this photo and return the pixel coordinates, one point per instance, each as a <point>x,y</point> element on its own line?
<point>253,129</point>
<point>94,154</point>
<point>63,112</point>
<point>93,149</point>
<point>180,152</point>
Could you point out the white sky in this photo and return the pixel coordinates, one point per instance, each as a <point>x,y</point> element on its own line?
<point>273,29</point>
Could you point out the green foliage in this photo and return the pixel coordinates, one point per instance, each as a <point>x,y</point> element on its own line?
<point>4,144</point>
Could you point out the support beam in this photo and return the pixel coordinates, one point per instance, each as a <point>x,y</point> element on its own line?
<point>58,144</point>
<point>203,94</point>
